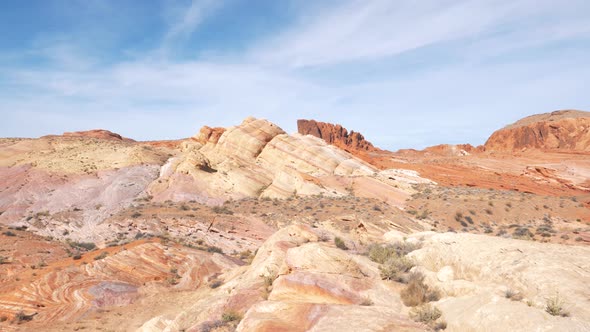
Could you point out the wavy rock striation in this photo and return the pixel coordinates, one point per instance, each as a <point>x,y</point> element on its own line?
<point>67,289</point>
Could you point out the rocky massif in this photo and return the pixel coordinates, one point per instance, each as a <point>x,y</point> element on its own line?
<point>249,228</point>
<point>559,130</point>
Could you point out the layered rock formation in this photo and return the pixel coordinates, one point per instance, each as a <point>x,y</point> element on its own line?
<point>258,159</point>
<point>335,135</point>
<point>252,229</point>
<point>74,183</point>
<point>559,130</point>
<point>67,289</point>
<point>314,286</point>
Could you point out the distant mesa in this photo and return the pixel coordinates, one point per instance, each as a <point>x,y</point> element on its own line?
<point>450,150</point>
<point>559,130</point>
<point>336,135</point>
<point>98,133</point>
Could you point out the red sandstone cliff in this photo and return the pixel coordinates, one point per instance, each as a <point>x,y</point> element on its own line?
<point>336,135</point>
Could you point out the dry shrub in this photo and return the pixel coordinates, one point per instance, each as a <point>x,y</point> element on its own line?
<point>554,306</point>
<point>231,316</point>
<point>211,326</point>
<point>417,292</point>
<point>395,268</point>
<point>381,253</point>
<point>367,302</point>
<point>513,295</point>
<point>340,243</point>
<point>215,284</point>
<point>268,279</point>
<point>428,314</point>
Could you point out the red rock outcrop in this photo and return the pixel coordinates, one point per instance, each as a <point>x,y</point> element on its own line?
<point>335,135</point>
<point>209,135</point>
<point>559,130</point>
<point>98,133</point>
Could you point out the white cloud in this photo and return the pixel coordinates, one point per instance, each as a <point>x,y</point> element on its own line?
<point>459,101</point>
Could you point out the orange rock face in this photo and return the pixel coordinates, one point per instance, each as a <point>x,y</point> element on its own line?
<point>335,135</point>
<point>209,135</point>
<point>97,133</point>
<point>559,130</point>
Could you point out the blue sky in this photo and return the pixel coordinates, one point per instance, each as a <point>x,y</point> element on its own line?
<point>405,73</point>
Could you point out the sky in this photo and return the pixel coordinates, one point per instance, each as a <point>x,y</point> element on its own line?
<point>405,73</point>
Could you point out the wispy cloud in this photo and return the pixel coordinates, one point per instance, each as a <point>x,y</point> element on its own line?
<point>367,30</point>
<point>187,20</point>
